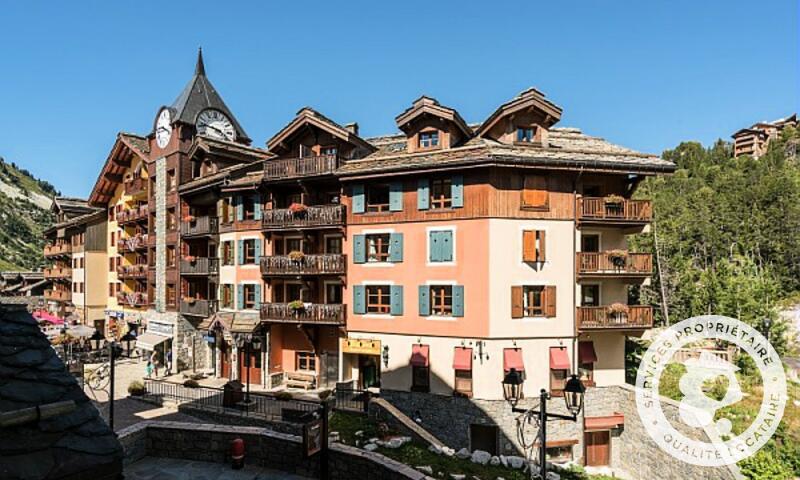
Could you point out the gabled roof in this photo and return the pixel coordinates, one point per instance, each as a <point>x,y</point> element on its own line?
<point>71,206</point>
<point>199,95</point>
<point>223,148</point>
<point>126,146</point>
<point>430,106</point>
<point>309,116</point>
<point>527,99</point>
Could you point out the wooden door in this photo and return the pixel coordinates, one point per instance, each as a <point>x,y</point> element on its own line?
<point>254,365</point>
<point>224,359</point>
<point>598,448</point>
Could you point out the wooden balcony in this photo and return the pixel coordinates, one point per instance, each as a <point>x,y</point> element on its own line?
<point>57,273</point>
<point>320,216</point>
<point>313,313</point>
<point>614,264</point>
<point>136,186</point>
<point>199,266</point>
<point>132,244</point>
<point>605,210</point>
<point>300,167</point>
<point>58,295</point>
<point>309,264</point>
<point>135,299</point>
<point>199,226</point>
<point>132,215</point>
<point>128,272</point>
<point>197,307</point>
<point>57,250</point>
<point>608,317</point>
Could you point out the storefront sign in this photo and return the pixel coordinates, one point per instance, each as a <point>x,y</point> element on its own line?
<point>114,314</point>
<point>159,328</point>
<point>312,437</point>
<point>363,346</point>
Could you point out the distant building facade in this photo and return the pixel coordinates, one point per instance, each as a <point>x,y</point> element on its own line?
<point>754,141</point>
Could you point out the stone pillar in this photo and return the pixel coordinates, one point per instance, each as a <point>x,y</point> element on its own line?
<point>161,236</point>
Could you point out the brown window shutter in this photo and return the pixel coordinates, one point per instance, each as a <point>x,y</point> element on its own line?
<point>540,254</point>
<point>516,302</point>
<point>534,193</point>
<point>550,301</point>
<point>528,245</point>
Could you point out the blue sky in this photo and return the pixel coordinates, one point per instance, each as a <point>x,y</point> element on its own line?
<point>645,74</point>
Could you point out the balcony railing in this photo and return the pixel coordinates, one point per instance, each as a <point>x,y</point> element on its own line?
<point>58,295</point>
<point>199,266</point>
<point>614,263</point>
<point>300,167</point>
<point>131,244</point>
<point>317,216</point>
<point>616,316</point>
<point>318,313</point>
<point>135,299</point>
<point>198,308</point>
<point>133,214</point>
<point>615,210</point>
<point>135,186</point>
<point>59,249</point>
<point>57,272</point>
<point>200,226</point>
<point>132,271</point>
<point>310,264</point>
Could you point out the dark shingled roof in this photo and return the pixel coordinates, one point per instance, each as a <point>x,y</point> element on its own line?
<point>73,445</point>
<point>72,206</point>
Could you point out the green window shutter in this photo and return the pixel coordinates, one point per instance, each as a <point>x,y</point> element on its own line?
<point>257,243</point>
<point>458,300</point>
<point>446,246</point>
<point>240,251</point>
<point>434,250</point>
<point>396,294</point>
<point>359,202</point>
<point>239,208</point>
<point>396,247</point>
<point>423,194</point>
<point>424,300</point>
<point>396,196</point>
<point>239,296</point>
<point>258,296</point>
<point>359,249</point>
<point>457,190</point>
<point>257,204</point>
<point>359,299</point>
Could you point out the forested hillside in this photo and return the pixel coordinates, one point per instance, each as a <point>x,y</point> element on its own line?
<point>24,215</point>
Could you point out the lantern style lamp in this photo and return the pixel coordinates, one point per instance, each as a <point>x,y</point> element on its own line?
<point>512,387</point>
<point>97,340</point>
<point>127,339</point>
<point>573,395</point>
<point>385,356</point>
<point>255,343</point>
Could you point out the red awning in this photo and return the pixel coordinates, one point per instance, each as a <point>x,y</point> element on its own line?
<point>419,355</point>
<point>462,359</point>
<point>586,353</point>
<point>512,358</point>
<point>559,360</point>
<point>604,423</point>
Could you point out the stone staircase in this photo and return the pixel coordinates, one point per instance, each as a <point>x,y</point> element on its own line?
<point>407,423</point>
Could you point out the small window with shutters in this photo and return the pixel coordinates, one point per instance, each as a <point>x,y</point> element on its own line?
<point>535,193</point>
<point>533,246</point>
<point>533,301</point>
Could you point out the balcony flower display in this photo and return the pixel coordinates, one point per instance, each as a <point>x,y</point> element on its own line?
<point>296,306</point>
<point>190,258</point>
<point>189,218</point>
<point>296,255</point>
<point>614,199</point>
<point>189,300</point>
<point>297,209</point>
<point>617,310</point>
<point>618,257</point>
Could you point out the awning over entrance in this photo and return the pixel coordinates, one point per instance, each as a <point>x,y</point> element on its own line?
<point>234,322</point>
<point>512,358</point>
<point>462,359</point>
<point>604,423</point>
<point>586,353</point>
<point>559,360</point>
<point>148,341</point>
<point>420,355</point>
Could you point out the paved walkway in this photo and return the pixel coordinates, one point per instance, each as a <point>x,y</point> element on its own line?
<point>151,468</point>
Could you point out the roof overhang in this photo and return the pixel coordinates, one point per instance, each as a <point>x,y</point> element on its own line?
<point>529,99</point>
<point>430,106</point>
<point>308,117</point>
<point>119,160</point>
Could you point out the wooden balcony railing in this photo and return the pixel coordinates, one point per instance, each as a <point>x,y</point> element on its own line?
<point>317,216</point>
<point>125,272</point>
<point>58,295</point>
<point>57,272</point>
<point>135,299</point>
<point>300,167</point>
<point>135,186</point>
<point>199,266</point>
<point>310,264</point>
<point>615,316</point>
<point>131,244</point>
<point>57,249</point>
<point>200,226</point>
<point>198,308</point>
<point>317,313</point>
<point>614,263</point>
<point>611,210</point>
<point>133,214</point>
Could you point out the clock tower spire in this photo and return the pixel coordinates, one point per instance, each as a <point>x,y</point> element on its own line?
<point>200,68</point>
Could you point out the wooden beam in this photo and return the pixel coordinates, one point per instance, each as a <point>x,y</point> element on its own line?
<point>114,177</point>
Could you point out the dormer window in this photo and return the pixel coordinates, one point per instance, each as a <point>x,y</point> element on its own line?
<point>429,139</point>
<point>526,134</point>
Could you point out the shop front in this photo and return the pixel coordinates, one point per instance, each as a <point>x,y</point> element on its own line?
<point>361,362</point>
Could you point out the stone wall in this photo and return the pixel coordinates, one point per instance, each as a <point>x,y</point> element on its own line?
<point>211,443</point>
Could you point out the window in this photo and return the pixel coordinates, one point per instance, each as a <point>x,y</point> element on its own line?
<point>533,301</point>
<point>590,242</point>
<point>227,252</point>
<point>171,294</point>
<point>440,246</point>
<point>441,300</point>
<point>533,246</point>
<point>111,215</point>
<point>559,453</point>
<point>534,192</point>
<point>249,206</point>
<point>557,380</point>
<point>463,385</point>
<point>590,295</point>
<point>586,373</point>
<point>378,198</point>
<point>526,134</point>
<point>170,256</point>
<point>378,247</point>
<point>306,361</point>
<point>227,296</point>
<point>113,238</point>
<point>293,198</point>
<point>250,296</point>
<point>329,150</point>
<point>81,262</point>
<point>462,364</point>
<point>333,245</point>
<point>429,139</point>
<point>172,221</point>
<point>586,360</point>
<point>111,291</point>
<point>378,299</point>
<point>171,183</point>
<point>441,193</point>
<point>249,254</point>
<point>333,293</point>
<point>226,210</point>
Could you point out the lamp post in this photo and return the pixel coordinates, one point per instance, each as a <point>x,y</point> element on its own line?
<point>98,341</point>
<point>573,397</point>
<point>767,322</point>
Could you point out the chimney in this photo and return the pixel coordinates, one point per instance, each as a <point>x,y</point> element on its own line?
<point>352,127</point>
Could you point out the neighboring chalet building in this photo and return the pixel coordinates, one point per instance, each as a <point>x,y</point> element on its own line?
<point>22,284</point>
<point>754,141</point>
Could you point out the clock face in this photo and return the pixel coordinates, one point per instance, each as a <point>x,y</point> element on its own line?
<point>163,128</point>
<point>214,123</point>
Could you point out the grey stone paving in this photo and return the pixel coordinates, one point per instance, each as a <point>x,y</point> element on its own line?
<point>152,468</point>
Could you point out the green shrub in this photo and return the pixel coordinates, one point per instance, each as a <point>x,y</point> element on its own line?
<point>764,466</point>
<point>136,388</point>
<point>191,383</point>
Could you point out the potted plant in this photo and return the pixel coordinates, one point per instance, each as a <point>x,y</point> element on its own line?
<point>189,218</point>
<point>617,310</point>
<point>614,199</point>
<point>296,306</point>
<point>296,255</point>
<point>618,257</point>
<point>136,388</point>
<point>297,208</point>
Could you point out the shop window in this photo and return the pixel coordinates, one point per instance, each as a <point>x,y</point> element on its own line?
<point>306,361</point>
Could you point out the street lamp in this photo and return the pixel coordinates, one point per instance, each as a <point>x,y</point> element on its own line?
<point>96,340</point>
<point>127,339</point>
<point>573,398</point>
